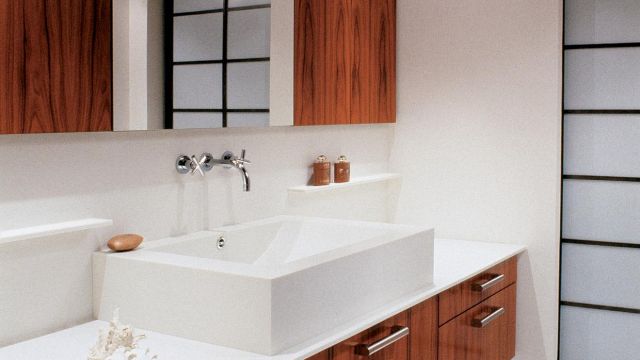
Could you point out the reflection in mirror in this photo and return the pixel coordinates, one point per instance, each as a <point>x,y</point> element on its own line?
<point>193,63</point>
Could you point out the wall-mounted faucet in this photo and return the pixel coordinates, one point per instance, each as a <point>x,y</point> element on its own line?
<point>194,165</point>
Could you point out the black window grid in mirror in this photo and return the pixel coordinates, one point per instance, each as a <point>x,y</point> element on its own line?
<point>205,74</point>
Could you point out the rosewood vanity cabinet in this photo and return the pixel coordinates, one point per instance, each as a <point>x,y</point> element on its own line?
<point>474,320</point>
<point>344,62</point>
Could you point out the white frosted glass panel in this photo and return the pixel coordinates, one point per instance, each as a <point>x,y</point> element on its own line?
<point>248,119</point>
<point>607,145</point>
<point>588,334</point>
<point>238,3</point>
<point>602,79</point>
<point>602,21</point>
<point>249,33</point>
<point>248,85</point>
<point>197,86</point>
<point>196,5</point>
<point>197,120</point>
<point>601,210</point>
<point>601,275</point>
<point>197,37</point>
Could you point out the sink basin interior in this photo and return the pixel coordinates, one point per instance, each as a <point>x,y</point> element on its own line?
<point>275,241</point>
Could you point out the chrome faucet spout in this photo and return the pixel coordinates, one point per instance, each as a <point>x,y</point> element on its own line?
<point>246,181</point>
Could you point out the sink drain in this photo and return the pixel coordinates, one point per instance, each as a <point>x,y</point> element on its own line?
<point>220,242</point>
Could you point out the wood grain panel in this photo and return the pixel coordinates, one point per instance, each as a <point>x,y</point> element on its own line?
<point>459,298</point>
<point>309,62</point>
<point>337,79</point>
<point>383,61</point>
<point>397,351</point>
<point>423,340</point>
<point>458,340</point>
<point>360,84</point>
<point>11,67</point>
<point>39,116</point>
<point>325,355</point>
<point>345,62</point>
<point>68,66</point>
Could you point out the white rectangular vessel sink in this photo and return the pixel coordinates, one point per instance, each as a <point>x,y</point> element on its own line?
<point>273,284</point>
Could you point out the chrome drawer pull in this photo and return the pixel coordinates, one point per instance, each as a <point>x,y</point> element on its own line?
<point>481,287</point>
<point>496,312</point>
<point>397,333</point>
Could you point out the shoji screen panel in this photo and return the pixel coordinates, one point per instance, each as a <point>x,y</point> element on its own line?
<point>601,21</point>
<point>599,335</point>
<point>601,275</point>
<point>600,271</point>
<point>605,145</point>
<point>601,210</point>
<point>602,78</point>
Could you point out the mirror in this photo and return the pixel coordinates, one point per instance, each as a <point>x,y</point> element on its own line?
<point>121,65</point>
<point>200,63</point>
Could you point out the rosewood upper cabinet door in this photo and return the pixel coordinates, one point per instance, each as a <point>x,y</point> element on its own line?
<point>11,67</point>
<point>56,65</point>
<point>310,62</point>
<point>360,77</point>
<point>338,59</point>
<point>383,61</point>
<point>344,62</point>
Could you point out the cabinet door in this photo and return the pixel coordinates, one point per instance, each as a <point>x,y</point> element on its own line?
<point>397,350</point>
<point>482,332</point>
<point>424,331</point>
<point>310,62</point>
<point>345,62</point>
<point>382,69</point>
<point>325,355</point>
<point>56,59</point>
<point>11,67</point>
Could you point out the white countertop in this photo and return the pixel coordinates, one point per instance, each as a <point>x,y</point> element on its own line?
<point>455,261</point>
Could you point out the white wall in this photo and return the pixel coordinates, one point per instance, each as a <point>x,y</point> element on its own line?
<point>478,137</point>
<point>478,140</point>
<point>131,178</point>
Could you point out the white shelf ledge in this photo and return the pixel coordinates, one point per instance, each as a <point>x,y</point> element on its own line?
<point>52,229</point>
<point>356,181</point>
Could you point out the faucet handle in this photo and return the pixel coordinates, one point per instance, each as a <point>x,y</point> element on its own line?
<point>241,160</point>
<point>196,165</point>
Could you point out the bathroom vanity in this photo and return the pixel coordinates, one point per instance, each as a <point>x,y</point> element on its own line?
<point>475,319</point>
<point>447,319</point>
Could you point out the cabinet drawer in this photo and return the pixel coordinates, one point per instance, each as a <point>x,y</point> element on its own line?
<point>471,292</point>
<point>486,331</point>
<point>397,346</point>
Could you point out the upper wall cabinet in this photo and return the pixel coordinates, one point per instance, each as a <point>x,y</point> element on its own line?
<point>120,65</point>
<point>345,62</point>
<point>55,66</point>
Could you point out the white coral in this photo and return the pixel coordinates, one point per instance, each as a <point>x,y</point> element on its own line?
<point>117,337</point>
